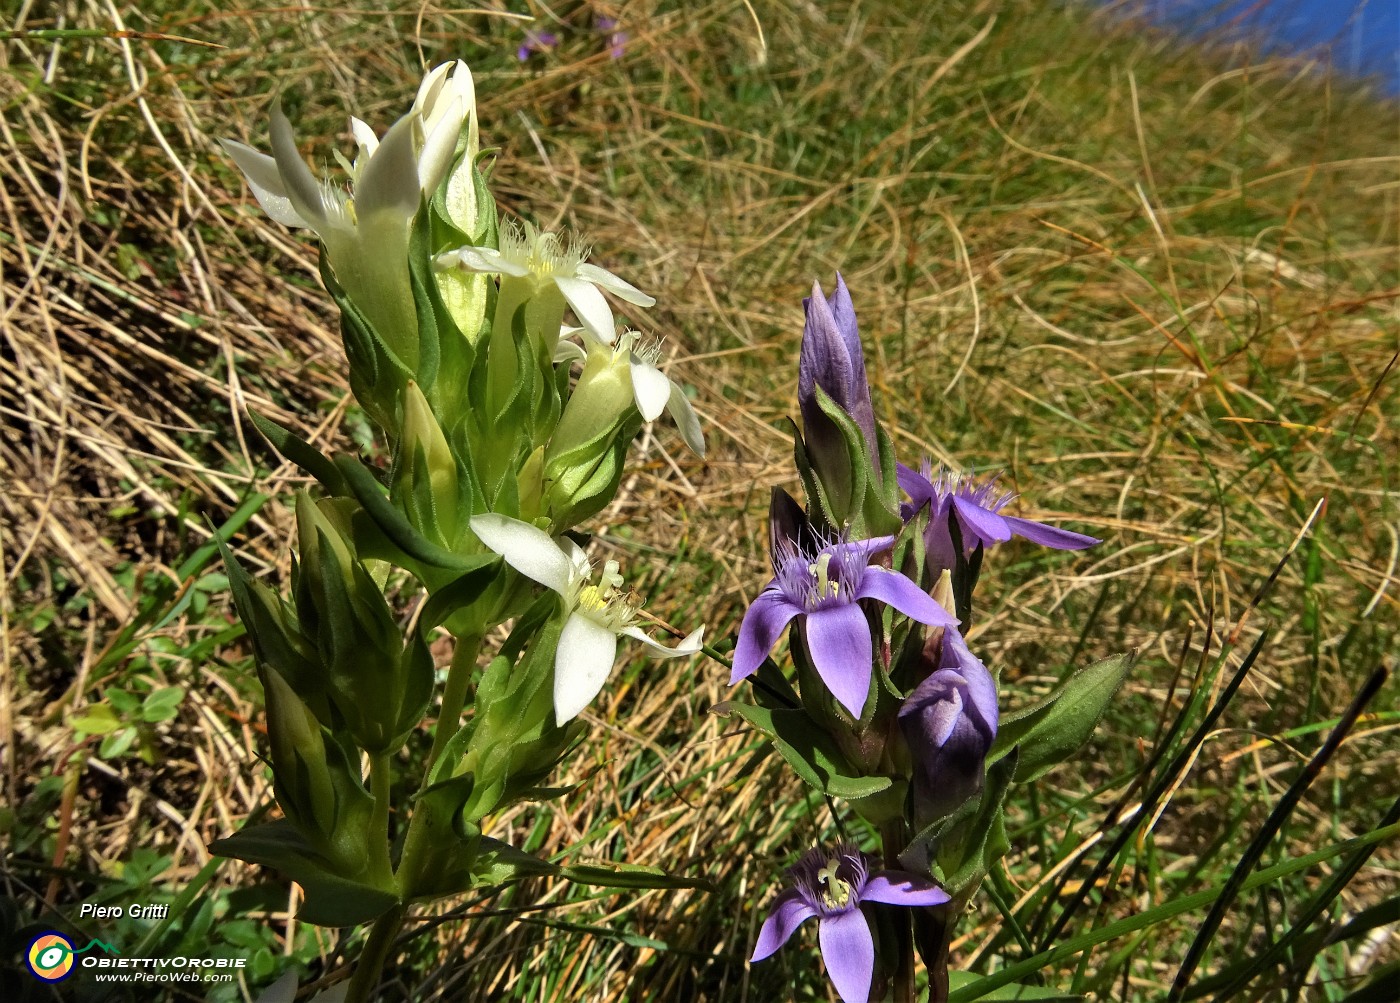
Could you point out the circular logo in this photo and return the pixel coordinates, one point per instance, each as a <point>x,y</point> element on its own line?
<point>50,957</point>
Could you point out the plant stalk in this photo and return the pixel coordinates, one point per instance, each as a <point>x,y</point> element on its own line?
<point>375,954</point>
<point>902,975</point>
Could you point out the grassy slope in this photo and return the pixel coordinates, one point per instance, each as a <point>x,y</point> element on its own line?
<point>1161,293</point>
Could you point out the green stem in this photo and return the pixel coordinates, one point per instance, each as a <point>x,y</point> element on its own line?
<point>376,952</point>
<point>380,784</point>
<point>454,696</point>
<point>902,952</point>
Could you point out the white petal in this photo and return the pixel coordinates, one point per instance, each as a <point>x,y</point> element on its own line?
<point>365,138</point>
<point>567,351</point>
<point>589,306</point>
<point>650,387</point>
<point>582,665</point>
<point>576,557</point>
<point>265,181</point>
<point>482,260</point>
<point>689,645</point>
<point>299,183</point>
<point>685,418</point>
<point>439,147</point>
<point>427,90</point>
<point>390,179</point>
<point>618,287</point>
<point>528,550</point>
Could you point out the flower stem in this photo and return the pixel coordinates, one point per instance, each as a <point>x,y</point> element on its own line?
<point>381,784</point>
<point>376,952</point>
<point>902,976</point>
<point>454,696</point>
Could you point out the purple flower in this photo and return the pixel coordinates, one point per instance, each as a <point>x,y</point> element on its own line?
<point>832,885</point>
<point>977,507</point>
<point>824,590</point>
<point>949,722</point>
<point>617,40</point>
<point>536,41</point>
<point>831,358</point>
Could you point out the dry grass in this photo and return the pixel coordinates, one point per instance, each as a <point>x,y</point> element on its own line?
<point>1162,294</point>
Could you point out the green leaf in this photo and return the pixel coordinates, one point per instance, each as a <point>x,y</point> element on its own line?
<point>499,863</point>
<point>117,743</point>
<point>394,524</point>
<point>1055,729</point>
<point>331,900</point>
<point>809,750</point>
<point>293,447</point>
<point>629,876</point>
<point>96,719</point>
<point>162,704</point>
<point>967,982</point>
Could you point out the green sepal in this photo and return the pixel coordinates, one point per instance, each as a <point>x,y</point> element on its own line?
<point>377,374</point>
<point>466,590</point>
<point>296,449</point>
<point>965,844</point>
<point>271,626</point>
<point>330,898</point>
<point>629,876</point>
<point>809,750</point>
<point>967,982</point>
<point>395,526</point>
<point>1053,730</point>
<point>818,504</point>
<point>426,305</point>
<point>582,481</point>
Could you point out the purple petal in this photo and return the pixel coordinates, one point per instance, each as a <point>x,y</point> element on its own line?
<point>849,952</point>
<point>893,589</point>
<point>838,637</point>
<point>789,912</point>
<point>763,624</point>
<point>902,888</point>
<point>918,487</point>
<point>843,311</point>
<point>823,360</point>
<point>1048,536</point>
<point>989,527</point>
<point>981,688</point>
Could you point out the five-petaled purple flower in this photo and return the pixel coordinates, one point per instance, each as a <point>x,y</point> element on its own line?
<point>832,886</point>
<point>977,508</point>
<point>949,723</point>
<point>824,590</point>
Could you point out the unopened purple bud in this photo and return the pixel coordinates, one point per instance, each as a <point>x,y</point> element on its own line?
<point>832,358</point>
<point>949,723</point>
<point>536,41</point>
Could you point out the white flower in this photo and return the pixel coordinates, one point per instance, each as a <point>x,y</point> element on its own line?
<point>598,613</point>
<point>366,227</point>
<point>634,363</point>
<point>541,264</point>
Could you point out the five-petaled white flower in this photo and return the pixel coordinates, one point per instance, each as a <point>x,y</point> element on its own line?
<point>598,613</point>
<point>544,271</point>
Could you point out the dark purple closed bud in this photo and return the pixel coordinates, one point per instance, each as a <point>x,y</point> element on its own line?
<point>949,723</point>
<point>832,359</point>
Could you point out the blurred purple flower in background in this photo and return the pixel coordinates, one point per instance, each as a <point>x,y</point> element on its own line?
<point>616,38</point>
<point>536,41</point>
<point>832,885</point>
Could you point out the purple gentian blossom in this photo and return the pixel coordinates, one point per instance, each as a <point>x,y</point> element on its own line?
<point>824,590</point>
<point>949,723</point>
<point>536,41</point>
<point>831,358</point>
<point>832,886</point>
<point>977,507</point>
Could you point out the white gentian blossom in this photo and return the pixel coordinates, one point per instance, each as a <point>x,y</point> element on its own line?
<point>615,377</point>
<point>544,271</point>
<point>599,612</point>
<point>365,227</point>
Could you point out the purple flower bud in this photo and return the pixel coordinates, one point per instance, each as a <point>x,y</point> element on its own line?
<point>617,40</point>
<point>949,723</point>
<point>832,359</point>
<point>832,885</point>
